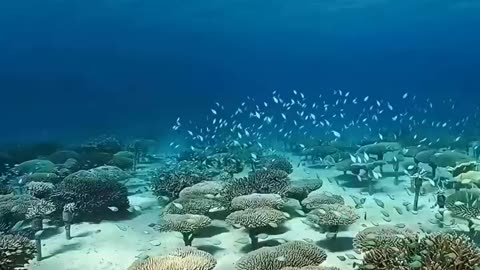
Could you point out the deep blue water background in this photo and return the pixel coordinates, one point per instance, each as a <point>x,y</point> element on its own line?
<point>75,68</point>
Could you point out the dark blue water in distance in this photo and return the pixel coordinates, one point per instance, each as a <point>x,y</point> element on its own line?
<point>75,68</point>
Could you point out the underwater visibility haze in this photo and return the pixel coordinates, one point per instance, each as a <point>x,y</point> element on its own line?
<point>240,135</point>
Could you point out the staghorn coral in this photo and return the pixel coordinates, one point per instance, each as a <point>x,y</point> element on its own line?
<point>182,259</point>
<point>92,195</point>
<point>171,184</point>
<point>300,190</point>
<point>40,209</point>
<point>316,199</point>
<point>437,251</point>
<point>15,251</point>
<point>256,200</point>
<point>264,182</point>
<point>464,203</point>
<point>40,190</point>
<point>292,254</point>
<point>256,219</point>
<point>187,225</point>
<point>195,205</point>
<point>382,237</point>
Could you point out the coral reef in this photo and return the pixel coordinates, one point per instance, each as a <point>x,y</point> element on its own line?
<point>15,251</point>
<point>435,251</point>
<point>13,208</point>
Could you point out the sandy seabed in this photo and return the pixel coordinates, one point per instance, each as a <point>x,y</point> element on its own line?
<point>115,245</point>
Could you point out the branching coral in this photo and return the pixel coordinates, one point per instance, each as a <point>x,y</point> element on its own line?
<point>300,190</point>
<point>171,184</point>
<point>92,195</point>
<point>383,237</point>
<point>207,188</point>
<point>256,201</point>
<point>187,225</point>
<point>42,177</point>
<point>13,208</point>
<point>40,209</point>
<point>15,251</point>
<point>265,182</point>
<point>332,216</point>
<point>195,205</point>
<point>182,259</point>
<point>464,204</point>
<point>434,252</point>
<point>316,199</point>
<point>292,254</point>
<point>256,219</point>
<point>280,163</point>
<point>40,189</point>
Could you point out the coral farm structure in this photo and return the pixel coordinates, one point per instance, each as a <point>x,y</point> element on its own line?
<point>290,182</point>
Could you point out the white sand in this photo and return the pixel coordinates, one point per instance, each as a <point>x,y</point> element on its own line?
<point>115,245</point>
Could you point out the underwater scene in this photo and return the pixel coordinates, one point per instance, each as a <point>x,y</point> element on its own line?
<point>240,135</point>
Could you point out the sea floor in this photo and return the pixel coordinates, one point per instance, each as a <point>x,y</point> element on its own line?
<point>115,245</point>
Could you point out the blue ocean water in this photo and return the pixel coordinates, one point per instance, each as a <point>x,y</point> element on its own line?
<point>76,68</point>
